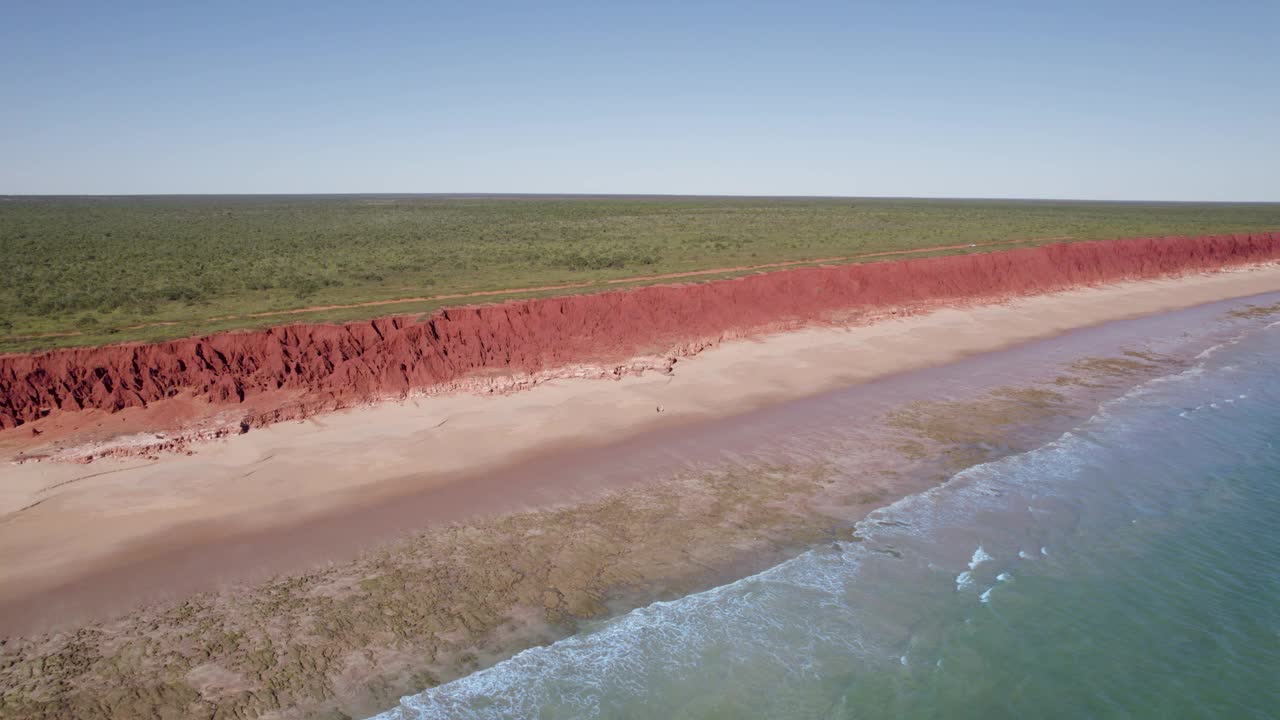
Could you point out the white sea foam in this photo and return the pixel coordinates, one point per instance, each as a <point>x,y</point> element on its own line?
<point>793,615</point>
<point>979,556</point>
<point>1003,577</point>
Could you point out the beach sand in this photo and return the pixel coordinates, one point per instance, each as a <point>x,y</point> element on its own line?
<point>62,521</point>
<point>521,550</point>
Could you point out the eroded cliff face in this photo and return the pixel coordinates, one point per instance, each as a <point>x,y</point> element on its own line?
<point>334,365</point>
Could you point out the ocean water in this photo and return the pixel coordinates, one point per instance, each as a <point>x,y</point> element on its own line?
<point>1130,569</point>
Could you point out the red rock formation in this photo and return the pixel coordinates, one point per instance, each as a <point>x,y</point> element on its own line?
<point>340,364</point>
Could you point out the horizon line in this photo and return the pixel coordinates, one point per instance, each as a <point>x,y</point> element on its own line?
<point>550,195</point>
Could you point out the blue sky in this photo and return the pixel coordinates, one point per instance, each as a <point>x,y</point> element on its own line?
<point>1113,100</point>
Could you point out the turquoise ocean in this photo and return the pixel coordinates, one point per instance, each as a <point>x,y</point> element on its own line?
<point>1130,568</point>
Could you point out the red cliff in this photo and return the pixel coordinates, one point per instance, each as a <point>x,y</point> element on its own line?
<point>339,364</point>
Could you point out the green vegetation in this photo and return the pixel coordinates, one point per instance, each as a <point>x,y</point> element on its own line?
<point>83,271</point>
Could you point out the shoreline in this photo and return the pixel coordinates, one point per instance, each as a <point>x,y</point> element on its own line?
<point>462,456</point>
<point>536,553</point>
<point>929,592</point>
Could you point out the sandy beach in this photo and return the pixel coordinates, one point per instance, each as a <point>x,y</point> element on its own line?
<point>64,522</point>
<point>395,546</point>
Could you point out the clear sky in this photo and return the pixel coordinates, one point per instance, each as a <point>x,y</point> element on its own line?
<point>1117,100</point>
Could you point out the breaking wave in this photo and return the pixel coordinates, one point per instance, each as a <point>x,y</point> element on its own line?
<point>792,640</point>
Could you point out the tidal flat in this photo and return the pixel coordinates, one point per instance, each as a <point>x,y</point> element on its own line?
<point>349,639</point>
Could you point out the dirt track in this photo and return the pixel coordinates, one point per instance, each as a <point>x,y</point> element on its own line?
<point>569,286</point>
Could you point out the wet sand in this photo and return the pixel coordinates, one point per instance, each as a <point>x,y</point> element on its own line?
<point>469,568</point>
<point>79,542</point>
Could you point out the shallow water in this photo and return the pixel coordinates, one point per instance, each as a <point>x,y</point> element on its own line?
<point>1129,568</point>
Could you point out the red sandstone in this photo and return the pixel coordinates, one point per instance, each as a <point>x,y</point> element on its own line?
<point>319,366</point>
